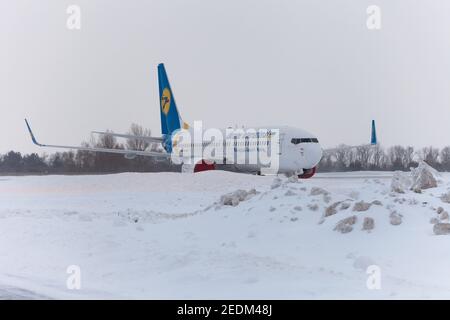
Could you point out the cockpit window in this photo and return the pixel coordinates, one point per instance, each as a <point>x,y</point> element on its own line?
<point>304,140</point>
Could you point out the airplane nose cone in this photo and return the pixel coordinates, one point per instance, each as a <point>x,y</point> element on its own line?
<point>313,155</point>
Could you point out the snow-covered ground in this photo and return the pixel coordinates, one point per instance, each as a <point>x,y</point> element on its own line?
<point>166,235</point>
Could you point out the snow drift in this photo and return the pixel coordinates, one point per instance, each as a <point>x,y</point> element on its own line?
<point>217,235</point>
<point>422,177</point>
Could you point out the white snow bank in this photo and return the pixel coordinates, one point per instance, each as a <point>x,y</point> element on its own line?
<point>422,177</point>
<point>271,246</point>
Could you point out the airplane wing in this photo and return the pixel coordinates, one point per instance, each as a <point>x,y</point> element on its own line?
<point>129,136</point>
<point>128,153</point>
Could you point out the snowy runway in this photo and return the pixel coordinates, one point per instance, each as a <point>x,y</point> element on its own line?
<point>166,235</point>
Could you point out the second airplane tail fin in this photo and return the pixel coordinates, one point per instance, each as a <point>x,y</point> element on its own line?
<point>373,136</point>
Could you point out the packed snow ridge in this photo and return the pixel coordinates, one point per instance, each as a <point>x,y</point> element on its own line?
<point>344,211</point>
<point>216,235</point>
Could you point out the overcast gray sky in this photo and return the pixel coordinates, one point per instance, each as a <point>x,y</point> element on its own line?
<point>310,64</point>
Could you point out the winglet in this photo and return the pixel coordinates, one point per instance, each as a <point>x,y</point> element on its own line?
<point>32,135</point>
<point>373,137</point>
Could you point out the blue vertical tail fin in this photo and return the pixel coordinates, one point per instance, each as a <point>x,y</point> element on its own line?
<point>170,118</point>
<point>373,136</point>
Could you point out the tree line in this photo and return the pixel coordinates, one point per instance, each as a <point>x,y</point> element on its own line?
<point>342,158</point>
<point>376,158</point>
<point>80,162</point>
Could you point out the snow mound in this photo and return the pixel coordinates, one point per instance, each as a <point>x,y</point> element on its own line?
<point>441,228</point>
<point>332,209</point>
<point>361,206</point>
<point>346,225</point>
<point>422,177</point>
<point>400,182</point>
<point>368,224</point>
<point>235,197</point>
<point>395,218</point>
<point>377,203</point>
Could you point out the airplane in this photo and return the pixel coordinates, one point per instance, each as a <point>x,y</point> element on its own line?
<point>299,151</point>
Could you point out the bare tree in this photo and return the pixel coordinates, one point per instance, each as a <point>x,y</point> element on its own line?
<point>396,155</point>
<point>107,141</point>
<point>378,157</point>
<point>445,158</point>
<point>343,156</point>
<point>362,156</point>
<point>138,144</point>
<point>327,163</point>
<point>430,155</point>
<point>85,160</point>
<point>109,162</point>
<point>408,156</point>
<point>68,159</point>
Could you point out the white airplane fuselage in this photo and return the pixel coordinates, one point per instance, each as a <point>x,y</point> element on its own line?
<point>297,151</point>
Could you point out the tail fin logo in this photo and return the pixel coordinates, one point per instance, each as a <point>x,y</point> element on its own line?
<point>165,101</point>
